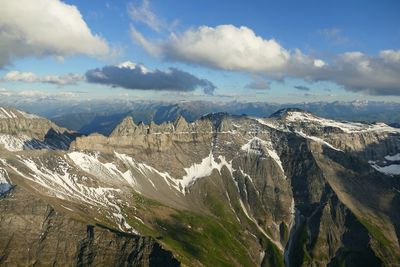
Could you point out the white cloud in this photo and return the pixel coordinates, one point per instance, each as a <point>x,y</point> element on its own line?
<point>29,77</point>
<point>5,92</point>
<point>45,28</point>
<point>390,56</point>
<point>16,76</point>
<point>36,94</point>
<point>319,63</point>
<point>358,72</point>
<point>144,15</point>
<point>33,93</point>
<point>231,48</point>
<point>227,47</point>
<point>153,49</point>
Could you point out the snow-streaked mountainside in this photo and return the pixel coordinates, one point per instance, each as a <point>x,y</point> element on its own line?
<point>20,131</point>
<point>299,116</point>
<point>291,189</point>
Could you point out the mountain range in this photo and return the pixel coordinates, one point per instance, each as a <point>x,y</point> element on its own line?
<point>219,189</point>
<point>89,116</point>
<point>103,117</point>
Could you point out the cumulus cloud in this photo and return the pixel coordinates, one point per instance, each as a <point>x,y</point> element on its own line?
<point>233,48</point>
<point>45,28</point>
<point>29,77</point>
<point>302,88</point>
<point>226,47</point>
<point>358,72</point>
<point>229,48</point>
<point>134,76</point>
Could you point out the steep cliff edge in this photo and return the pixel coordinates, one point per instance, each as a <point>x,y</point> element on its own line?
<point>33,233</point>
<point>24,131</point>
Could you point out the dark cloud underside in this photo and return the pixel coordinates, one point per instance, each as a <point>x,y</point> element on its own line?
<point>137,78</point>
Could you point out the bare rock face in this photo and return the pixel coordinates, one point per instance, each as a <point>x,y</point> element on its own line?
<point>181,125</point>
<point>21,131</point>
<point>33,233</point>
<point>126,127</point>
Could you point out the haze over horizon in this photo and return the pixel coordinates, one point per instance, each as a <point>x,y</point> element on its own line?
<point>283,52</point>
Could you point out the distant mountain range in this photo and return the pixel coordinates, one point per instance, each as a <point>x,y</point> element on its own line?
<point>102,116</point>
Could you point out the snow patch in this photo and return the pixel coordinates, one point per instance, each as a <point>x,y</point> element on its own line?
<point>204,169</point>
<point>393,158</point>
<point>144,169</point>
<point>62,182</point>
<point>91,164</point>
<point>12,143</point>
<point>121,220</point>
<point>4,184</point>
<point>23,142</point>
<point>258,146</point>
<point>272,124</point>
<point>4,114</point>
<point>391,170</point>
<point>28,115</point>
<point>317,139</point>
<point>193,173</point>
<point>67,208</point>
<point>347,127</point>
<point>13,115</point>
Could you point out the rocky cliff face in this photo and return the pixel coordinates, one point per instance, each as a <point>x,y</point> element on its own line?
<point>21,131</point>
<point>292,189</point>
<point>33,233</point>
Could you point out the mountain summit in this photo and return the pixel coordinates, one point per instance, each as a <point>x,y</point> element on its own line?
<point>287,111</point>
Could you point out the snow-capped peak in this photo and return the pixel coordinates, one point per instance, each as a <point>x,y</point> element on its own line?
<point>283,113</point>
<point>295,115</point>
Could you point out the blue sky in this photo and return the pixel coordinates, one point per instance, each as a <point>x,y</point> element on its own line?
<point>356,43</point>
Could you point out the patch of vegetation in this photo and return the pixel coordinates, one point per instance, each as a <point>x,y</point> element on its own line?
<point>284,231</point>
<point>224,213</point>
<point>142,228</point>
<point>204,238</point>
<point>376,233</point>
<point>217,207</point>
<point>143,202</point>
<point>214,239</point>
<point>273,257</point>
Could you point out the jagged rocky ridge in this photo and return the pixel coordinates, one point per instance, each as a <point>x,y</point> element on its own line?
<point>20,130</point>
<point>293,189</point>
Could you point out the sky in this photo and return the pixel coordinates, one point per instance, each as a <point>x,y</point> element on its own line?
<point>273,51</point>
